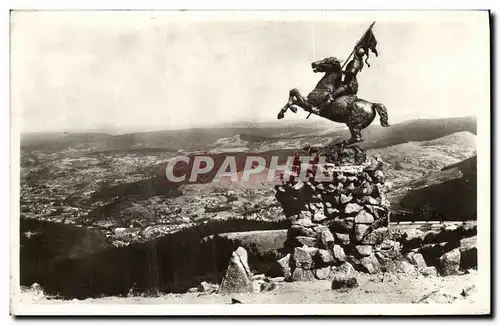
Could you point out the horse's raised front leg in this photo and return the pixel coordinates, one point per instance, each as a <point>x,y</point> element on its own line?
<point>294,99</point>
<point>289,103</point>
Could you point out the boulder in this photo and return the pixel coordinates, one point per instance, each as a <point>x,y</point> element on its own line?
<point>37,289</point>
<point>319,229</point>
<point>207,287</point>
<point>344,225</point>
<point>285,266</point>
<point>342,239</point>
<point>242,254</point>
<point>325,256</point>
<point>256,285</point>
<point>364,250</point>
<point>323,273</point>
<point>375,237</point>
<point>303,256</point>
<point>238,277</point>
<point>345,198</point>
<point>371,264</point>
<point>390,245</point>
<point>317,206</point>
<point>302,221</point>
<point>307,241</point>
<point>468,258</point>
<point>468,253</point>
<point>429,271</point>
<point>432,252</point>
<point>360,231</point>
<point>338,253</point>
<point>377,211</point>
<point>352,178</point>
<point>319,216</point>
<point>299,274</point>
<point>468,242</point>
<point>326,239</point>
<point>387,264</point>
<point>404,266</point>
<point>419,261</point>
<point>368,200</point>
<point>449,263</point>
<point>344,277</point>
<point>347,269</point>
<point>267,286</point>
<point>365,189</point>
<point>351,208</point>
<point>364,217</point>
<point>332,212</point>
<point>296,230</point>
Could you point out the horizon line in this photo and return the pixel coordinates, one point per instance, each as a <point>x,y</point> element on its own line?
<point>225,125</point>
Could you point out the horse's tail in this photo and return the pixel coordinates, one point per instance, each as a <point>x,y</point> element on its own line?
<point>382,111</point>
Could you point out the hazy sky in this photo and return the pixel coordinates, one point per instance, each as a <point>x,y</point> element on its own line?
<point>155,70</point>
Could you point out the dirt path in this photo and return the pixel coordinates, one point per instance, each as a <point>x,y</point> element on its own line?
<point>386,288</point>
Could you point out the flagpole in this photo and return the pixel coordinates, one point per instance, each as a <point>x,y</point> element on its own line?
<point>349,57</point>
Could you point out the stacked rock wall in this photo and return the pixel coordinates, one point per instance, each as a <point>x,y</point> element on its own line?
<point>337,214</point>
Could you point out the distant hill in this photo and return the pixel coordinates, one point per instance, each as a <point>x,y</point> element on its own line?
<point>56,141</point>
<point>188,139</point>
<point>413,130</point>
<point>463,138</point>
<point>415,159</point>
<point>206,138</point>
<point>451,192</point>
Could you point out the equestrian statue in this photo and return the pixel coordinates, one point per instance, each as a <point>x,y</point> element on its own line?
<point>335,95</point>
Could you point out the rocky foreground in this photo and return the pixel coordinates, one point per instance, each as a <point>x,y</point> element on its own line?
<point>380,288</point>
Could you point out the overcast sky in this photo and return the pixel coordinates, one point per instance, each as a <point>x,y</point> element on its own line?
<point>124,71</point>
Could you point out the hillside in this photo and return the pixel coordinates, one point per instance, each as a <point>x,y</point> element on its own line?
<point>450,193</point>
<point>413,130</point>
<point>411,160</point>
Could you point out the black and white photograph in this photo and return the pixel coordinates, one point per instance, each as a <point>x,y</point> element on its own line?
<point>250,162</point>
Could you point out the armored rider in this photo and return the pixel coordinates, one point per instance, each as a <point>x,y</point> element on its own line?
<point>349,86</point>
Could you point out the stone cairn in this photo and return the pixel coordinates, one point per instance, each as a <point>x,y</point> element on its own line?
<point>338,216</point>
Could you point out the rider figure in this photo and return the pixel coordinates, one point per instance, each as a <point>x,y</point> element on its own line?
<point>350,83</point>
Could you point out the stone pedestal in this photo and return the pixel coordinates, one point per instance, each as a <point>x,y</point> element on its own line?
<point>338,213</point>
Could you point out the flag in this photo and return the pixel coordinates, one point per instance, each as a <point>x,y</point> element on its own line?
<point>369,43</point>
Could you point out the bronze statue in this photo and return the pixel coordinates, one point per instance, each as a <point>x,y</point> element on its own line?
<point>334,97</point>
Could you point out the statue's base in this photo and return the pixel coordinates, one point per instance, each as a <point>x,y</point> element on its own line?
<point>340,156</point>
<point>342,217</point>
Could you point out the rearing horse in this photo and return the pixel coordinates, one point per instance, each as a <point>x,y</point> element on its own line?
<point>355,112</point>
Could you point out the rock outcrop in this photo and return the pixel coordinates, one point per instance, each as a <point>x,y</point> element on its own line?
<point>238,276</point>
